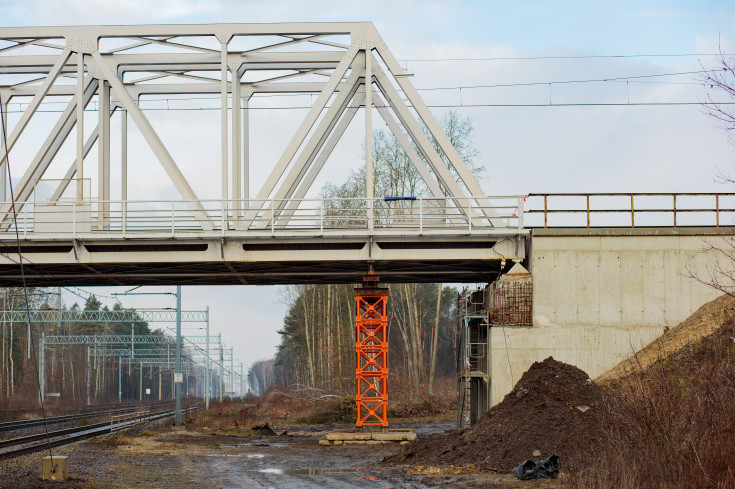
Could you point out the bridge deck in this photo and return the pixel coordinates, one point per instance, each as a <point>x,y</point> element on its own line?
<point>263,242</point>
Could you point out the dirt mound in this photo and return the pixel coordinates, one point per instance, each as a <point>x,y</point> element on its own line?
<point>704,322</point>
<point>554,409</point>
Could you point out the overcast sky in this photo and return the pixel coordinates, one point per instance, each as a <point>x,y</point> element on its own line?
<point>446,44</point>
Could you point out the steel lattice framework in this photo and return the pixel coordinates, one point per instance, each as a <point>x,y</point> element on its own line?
<point>371,325</point>
<point>130,316</point>
<point>276,235</point>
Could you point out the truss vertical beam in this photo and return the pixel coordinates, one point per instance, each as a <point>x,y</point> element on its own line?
<point>155,143</point>
<point>124,155</point>
<point>223,113</point>
<point>236,155</point>
<point>80,127</point>
<point>372,354</point>
<point>369,171</point>
<point>3,149</point>
<point>103,177</point>
<point>246,145</point>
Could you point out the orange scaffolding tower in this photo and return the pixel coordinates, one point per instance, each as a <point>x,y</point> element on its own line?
<point>372,353</point>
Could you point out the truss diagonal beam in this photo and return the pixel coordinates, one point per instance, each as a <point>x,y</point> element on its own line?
<point>69,175</point>
<point>428,119</point>
<point>305,127</point>
<point>49,149</point>
<point>321,133</point>
<point>287,43</point>
<point>164,157</point>
<point>33,105</point>
<point>408,148</point>
<point>316,167</point>
<point>165,42</point>
<point>412,126</point>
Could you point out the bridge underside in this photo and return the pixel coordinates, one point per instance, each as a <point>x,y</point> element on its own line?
<point>260,262</point>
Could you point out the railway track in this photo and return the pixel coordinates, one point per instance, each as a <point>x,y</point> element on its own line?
<point>28,423</point>
<point>23,445</point>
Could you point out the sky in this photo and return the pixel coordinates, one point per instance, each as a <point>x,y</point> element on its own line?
<point>537,144</point>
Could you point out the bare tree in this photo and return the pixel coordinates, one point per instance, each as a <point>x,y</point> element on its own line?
<point>720,93</point>
<point>719,104</point>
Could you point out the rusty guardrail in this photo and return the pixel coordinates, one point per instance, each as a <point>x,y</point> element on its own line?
<point>636,204</point>
<point>129,419</point>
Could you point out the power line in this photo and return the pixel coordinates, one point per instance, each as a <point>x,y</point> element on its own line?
<point>437,106</point>
<point>591,56</point>
<point>564,82</point>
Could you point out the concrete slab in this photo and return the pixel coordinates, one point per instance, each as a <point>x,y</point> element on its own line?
<point>395,436</point>
<point>352,437</point>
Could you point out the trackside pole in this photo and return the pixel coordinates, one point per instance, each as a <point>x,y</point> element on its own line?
<point>178,378</point>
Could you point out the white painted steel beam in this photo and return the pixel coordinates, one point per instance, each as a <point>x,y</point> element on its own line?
<point>306,126</point>
<point>34,103</point>
<point>164,157</point>
<point>320,135</point>
<point>48,151</point>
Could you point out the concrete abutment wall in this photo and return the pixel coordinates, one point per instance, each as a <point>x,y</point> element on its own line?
<point>601,294</point>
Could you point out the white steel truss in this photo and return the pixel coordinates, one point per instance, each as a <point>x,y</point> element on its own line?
<point>346,66</point>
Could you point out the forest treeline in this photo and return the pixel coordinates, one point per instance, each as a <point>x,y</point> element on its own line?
<point>65,365</point>
<point>318,338</point>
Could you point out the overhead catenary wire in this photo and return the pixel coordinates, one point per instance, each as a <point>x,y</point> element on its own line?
<point>448,106</point>
<point>568,57</point>
<point>641,78</point>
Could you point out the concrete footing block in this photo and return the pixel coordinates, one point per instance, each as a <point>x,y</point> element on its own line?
<point>395,436</point>
<point>355,437</point>
<point>54,468</point>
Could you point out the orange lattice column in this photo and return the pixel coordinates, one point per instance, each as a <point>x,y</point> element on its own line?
<point>372,353</point>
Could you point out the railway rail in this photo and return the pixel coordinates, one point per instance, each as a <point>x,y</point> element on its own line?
<point>116,409</point>
<point>23,445</point>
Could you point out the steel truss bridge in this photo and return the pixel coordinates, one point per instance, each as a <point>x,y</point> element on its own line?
<point>78,234</point>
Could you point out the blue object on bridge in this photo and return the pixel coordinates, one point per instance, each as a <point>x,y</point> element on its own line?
<point>388,199</point>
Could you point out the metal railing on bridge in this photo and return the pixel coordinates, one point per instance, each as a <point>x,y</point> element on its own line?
<point>269,217</point>
<point>630,210</point>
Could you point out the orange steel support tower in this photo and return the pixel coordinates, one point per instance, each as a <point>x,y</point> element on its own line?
<point>372,353</point>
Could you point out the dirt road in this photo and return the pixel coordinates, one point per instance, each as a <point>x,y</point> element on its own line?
<point>202,460</point>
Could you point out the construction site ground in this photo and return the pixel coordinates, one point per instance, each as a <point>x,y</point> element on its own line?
<point>194,459</point>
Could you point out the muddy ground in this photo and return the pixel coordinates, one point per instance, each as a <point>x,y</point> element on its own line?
<point>189,459</point>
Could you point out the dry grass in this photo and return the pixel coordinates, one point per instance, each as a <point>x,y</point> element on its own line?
<point>307,405</point>
<point>405,402</point>
<point>671,425</point>
<point>222,416</point>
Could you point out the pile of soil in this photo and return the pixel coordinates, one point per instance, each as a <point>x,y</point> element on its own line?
<point>705,321</point>
<point>554,409</point>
